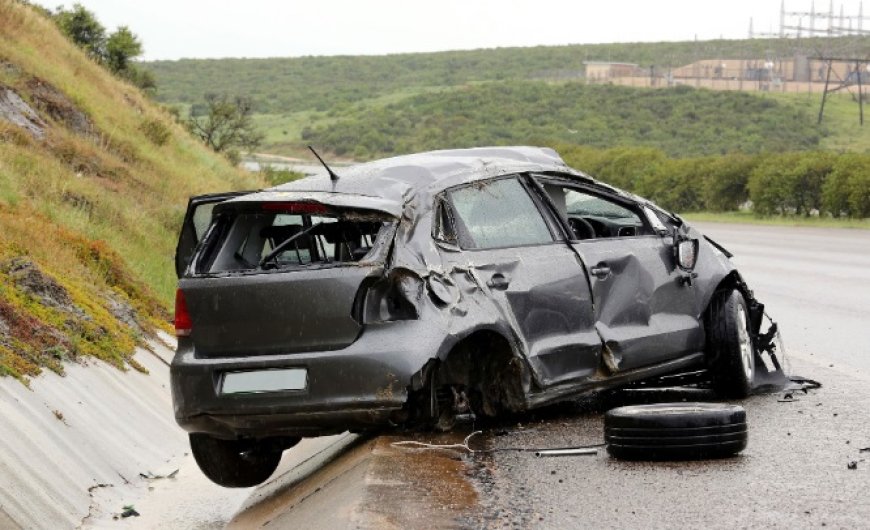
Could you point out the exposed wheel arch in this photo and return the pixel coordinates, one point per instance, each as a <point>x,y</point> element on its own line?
<point>481,373</point>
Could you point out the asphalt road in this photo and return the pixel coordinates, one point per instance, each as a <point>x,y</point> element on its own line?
<point>793,474</point>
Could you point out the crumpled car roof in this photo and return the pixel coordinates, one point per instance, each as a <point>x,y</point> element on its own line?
<point>387,184</point>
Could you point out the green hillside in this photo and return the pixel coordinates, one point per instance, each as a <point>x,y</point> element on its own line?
<point>94,180</point>
<point>287,85</point>
<point>681,122</point>
<point>349,105</point>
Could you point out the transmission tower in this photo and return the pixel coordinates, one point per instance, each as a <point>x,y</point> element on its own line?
<point>816,23</point>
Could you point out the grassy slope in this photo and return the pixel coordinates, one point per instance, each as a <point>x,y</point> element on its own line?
<point>96,209</point>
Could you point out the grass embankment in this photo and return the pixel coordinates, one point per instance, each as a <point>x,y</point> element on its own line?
<point>90,206</point>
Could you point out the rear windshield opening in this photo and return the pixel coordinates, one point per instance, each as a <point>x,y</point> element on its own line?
<point>268,240</point>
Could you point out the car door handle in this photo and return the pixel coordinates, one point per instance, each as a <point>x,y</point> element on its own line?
<point>498,281</point>
<point>600,271</point>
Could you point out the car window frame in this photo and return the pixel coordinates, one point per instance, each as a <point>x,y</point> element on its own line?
<point>588,189</point>
<point>444,198</point>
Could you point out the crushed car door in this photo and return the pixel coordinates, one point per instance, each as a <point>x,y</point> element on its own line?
<point>196,221</point>
<point>535,281</point>
<point>644,310</point>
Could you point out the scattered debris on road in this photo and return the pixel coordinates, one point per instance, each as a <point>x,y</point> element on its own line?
<point>539,451</point>
<point>151,476</point>
<point>413,444</point>
<point>129,511</point>
<point>568,451</point>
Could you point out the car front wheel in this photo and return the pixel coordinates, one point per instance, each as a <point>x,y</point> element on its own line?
<point>730,350</point>
<point>234,463</point>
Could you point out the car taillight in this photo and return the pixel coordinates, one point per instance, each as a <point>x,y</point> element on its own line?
<point>183,324</point>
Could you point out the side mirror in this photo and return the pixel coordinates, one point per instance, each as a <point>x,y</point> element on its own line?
<point>686,252</point>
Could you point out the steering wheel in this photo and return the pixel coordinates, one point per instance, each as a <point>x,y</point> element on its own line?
<point>582,228</point>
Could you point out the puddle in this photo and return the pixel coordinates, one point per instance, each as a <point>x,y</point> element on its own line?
<point>423,488</point>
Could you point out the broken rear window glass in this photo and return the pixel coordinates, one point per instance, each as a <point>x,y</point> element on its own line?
<point>267,239</point>
<point>498,214</point>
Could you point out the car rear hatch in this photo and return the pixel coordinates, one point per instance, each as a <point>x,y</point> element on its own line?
<point>279,277</point>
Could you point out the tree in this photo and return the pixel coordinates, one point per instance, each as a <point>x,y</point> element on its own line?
<point>115,52</point>
<point>83,28</point>
<point>226,125</point>
<point>121,47</point>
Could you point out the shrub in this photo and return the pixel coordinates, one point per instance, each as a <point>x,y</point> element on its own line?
<point>155,131</point>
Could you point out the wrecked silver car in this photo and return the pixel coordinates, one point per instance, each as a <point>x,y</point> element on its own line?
<point>409,290</point>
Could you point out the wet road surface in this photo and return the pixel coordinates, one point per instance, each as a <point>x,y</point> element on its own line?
<point>793,474</point>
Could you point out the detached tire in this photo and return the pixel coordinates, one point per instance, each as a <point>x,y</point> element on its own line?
<point>675,431</point>
<point>730,351</point>
<point>234,463</point>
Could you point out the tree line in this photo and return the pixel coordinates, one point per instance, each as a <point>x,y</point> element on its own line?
<point>792,183</point>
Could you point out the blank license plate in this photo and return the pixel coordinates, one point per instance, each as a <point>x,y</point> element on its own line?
<point>277,380</point>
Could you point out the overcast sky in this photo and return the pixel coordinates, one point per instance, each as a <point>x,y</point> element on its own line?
<point>172,29</point>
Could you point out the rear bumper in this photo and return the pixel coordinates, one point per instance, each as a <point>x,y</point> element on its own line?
<point>359,387</point>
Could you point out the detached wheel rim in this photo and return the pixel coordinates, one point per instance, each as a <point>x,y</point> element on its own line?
<point>745,342</point>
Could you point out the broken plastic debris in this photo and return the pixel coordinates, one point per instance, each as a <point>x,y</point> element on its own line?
<point>151,476</point>
<point>129,511</point>
<point>852,465</point>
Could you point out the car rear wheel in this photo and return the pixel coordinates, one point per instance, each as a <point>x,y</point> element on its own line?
<point>235,463</point>
<point>730,351</point>
<point>675,431</point>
